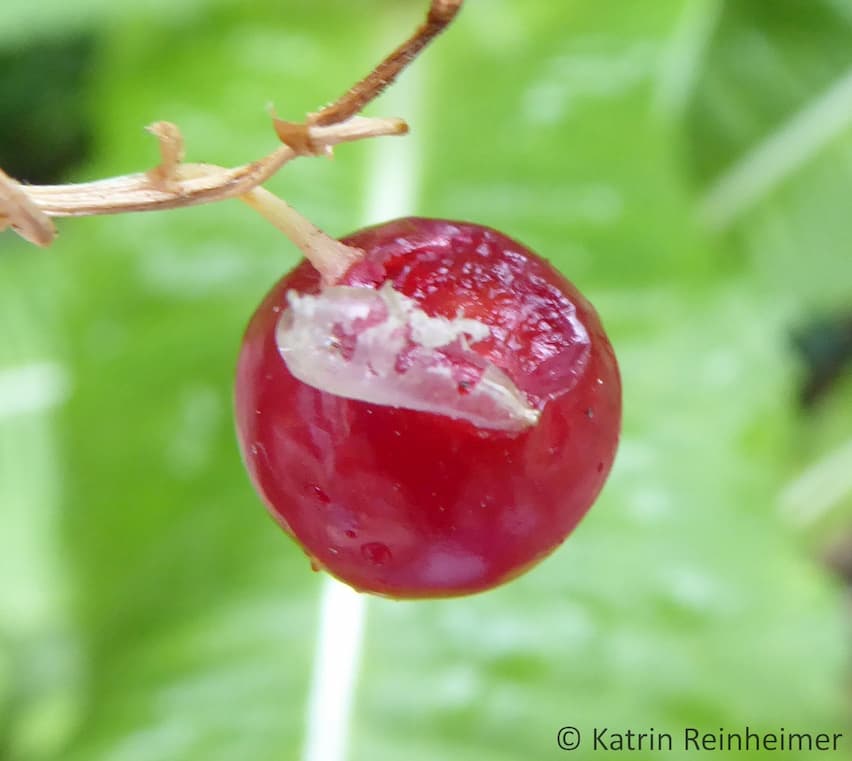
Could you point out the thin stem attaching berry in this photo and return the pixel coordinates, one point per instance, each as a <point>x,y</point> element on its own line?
<point>329,256</point>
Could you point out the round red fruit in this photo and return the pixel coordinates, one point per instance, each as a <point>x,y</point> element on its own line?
<point>436,421</point>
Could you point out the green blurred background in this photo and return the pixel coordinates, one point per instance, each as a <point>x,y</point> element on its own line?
<point>687,163</point>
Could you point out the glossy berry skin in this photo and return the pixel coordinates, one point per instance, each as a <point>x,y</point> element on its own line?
<point>412,504</point>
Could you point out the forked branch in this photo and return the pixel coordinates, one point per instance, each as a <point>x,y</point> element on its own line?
<point>171,185</point>
<point>27,209</point>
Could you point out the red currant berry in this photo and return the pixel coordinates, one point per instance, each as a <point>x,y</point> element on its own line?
<point>435,422</point>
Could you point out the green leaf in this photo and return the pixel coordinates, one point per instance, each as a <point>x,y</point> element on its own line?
<point>765,65</point>
<point>770,141</point>
<point>770,136</point>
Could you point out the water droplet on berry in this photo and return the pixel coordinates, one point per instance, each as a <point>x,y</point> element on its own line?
<point>376,553</point>
<point>319,494</point>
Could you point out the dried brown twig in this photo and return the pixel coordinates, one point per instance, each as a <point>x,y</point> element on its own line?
<point>441,13</point>
<point>27,209</point>
<point>171,185</point>
<point>356,98</point>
